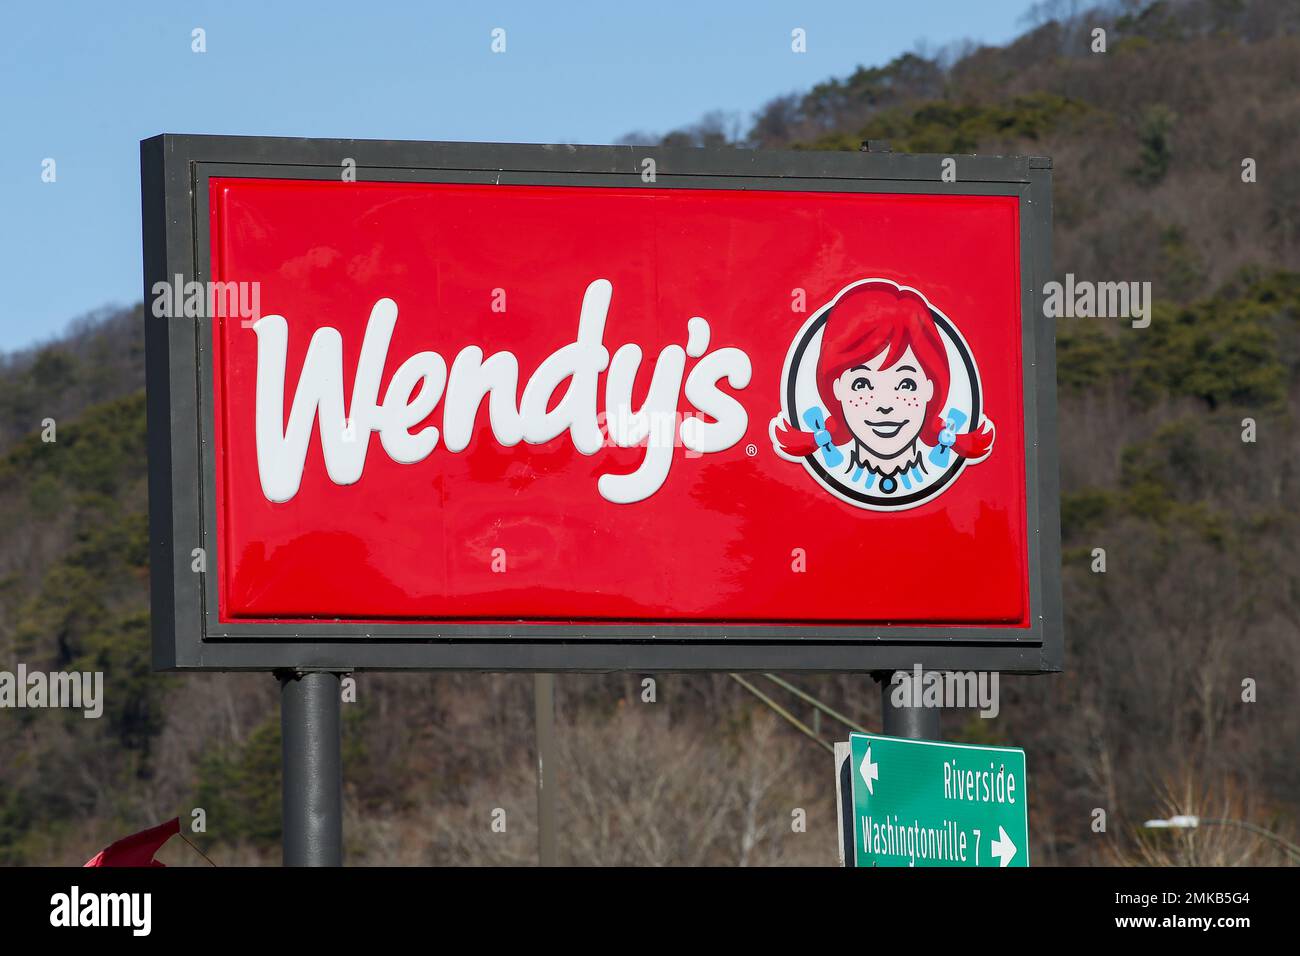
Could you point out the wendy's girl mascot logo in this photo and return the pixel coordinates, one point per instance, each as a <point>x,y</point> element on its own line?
<point>885,399</point>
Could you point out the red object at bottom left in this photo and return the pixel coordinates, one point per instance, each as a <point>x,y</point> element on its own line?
<point>138,848</point>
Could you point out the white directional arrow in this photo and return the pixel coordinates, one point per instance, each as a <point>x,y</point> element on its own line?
<point>1002,847</point>
<point>870,771</point>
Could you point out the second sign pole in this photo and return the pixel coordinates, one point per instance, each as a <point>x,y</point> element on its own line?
<point>544,712</point>
<point>311,728</point>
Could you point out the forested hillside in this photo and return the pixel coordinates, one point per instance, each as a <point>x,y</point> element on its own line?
<point>1200,528</point>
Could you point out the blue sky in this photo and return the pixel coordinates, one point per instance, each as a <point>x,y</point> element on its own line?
<point>84,82</point>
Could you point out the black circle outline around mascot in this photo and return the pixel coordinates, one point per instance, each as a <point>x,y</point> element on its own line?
<point>924,493</point>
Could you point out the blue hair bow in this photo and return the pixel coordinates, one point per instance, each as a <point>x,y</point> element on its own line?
<point>947,437</point>
<point>815,419</point>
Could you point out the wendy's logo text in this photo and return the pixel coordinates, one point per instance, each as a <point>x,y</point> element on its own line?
<point>423,379</point>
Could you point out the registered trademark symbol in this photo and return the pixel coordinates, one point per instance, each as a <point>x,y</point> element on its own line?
<point>751,449</point>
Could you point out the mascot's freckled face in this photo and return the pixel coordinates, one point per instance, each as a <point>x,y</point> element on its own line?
<point>884,408</point>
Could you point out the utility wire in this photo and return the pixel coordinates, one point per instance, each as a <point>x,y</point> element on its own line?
<point>809,698</point>
<point>798,724</point>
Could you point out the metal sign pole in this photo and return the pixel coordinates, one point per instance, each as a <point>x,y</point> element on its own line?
<point>916,723</point>
<point>544,712</point>
<point>310,726</point>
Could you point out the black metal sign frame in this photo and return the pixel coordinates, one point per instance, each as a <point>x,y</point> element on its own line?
<point>187,635</point>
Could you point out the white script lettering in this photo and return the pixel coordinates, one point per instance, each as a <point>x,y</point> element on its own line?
<point>419,383</point>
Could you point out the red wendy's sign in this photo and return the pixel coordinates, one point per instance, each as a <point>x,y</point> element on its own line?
<point>519,407</point>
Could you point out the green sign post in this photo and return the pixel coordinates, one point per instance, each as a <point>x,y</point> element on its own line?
<point>927,803</point>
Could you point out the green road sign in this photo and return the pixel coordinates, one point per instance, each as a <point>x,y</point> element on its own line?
<point>926,803</point>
